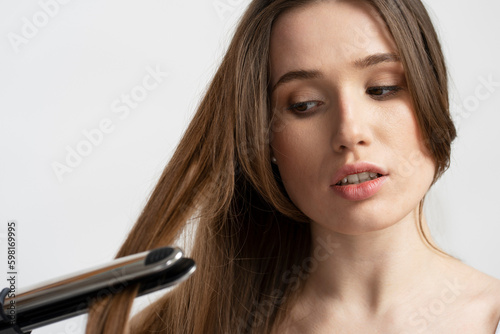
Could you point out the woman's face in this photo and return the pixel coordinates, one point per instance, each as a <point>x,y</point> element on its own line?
<point>341,107</point>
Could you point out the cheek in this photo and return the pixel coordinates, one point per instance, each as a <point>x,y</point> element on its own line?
<point>289,148</point>
<point>298,151</point>
<point>412,163</point>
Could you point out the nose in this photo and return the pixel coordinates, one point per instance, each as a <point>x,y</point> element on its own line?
<point>351,130</point>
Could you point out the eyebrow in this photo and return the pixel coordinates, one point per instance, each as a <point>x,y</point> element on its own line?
<point>368,61</point>
<point>377,58</point>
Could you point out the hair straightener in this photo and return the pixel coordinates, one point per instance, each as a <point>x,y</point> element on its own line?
<point>72,295</point>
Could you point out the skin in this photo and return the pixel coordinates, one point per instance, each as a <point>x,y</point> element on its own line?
<point>380,276</point>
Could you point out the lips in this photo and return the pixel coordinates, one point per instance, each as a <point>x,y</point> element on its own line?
<point>356,168</point>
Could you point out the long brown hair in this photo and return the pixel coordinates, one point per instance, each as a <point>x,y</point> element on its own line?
<point>249,233</point>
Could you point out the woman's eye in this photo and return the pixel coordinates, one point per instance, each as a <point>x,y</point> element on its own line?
<point>302,107</point>
<point>380,93</point>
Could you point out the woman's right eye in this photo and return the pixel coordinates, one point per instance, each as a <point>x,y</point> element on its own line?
<point>303,107</point>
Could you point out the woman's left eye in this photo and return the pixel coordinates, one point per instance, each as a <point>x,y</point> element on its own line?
<point>380,93</point>
<point>303,107</point>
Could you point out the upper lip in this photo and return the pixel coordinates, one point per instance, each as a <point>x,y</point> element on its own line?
<point>355,168</point>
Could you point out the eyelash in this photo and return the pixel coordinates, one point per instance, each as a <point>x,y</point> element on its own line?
<point>379,97</point>
<point>294,106</point>
<point>392,90</point>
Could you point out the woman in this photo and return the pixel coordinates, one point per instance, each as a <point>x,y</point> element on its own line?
<point>306,167</point>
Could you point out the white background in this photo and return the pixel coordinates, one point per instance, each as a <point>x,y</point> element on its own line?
<point>65,77</point>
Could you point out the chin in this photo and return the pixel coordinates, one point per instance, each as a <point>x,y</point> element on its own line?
<point>358,227</point>
<point>363,220</point>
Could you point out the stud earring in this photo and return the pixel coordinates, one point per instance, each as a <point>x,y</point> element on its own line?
<point>273,159</point>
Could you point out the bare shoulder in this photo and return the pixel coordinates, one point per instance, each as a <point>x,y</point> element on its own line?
<point>481,293</point>
<point>489,296</point>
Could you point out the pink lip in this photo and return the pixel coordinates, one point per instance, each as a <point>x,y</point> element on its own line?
<point>361,191</point>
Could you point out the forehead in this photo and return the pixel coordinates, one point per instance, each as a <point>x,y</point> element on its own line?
<point>325,35</point>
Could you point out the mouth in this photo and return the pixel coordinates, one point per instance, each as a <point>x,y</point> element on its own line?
<point>358,178</point>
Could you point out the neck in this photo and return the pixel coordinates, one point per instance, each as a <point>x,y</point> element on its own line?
<point>370,273</point>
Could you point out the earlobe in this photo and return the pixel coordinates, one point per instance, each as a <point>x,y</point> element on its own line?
<point>273,158</point>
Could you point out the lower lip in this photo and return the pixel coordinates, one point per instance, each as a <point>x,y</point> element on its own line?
<point>360,191</point>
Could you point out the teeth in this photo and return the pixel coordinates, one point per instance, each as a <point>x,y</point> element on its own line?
<point>353,179</point>
<point>358,178</point>
<point>364,176</point>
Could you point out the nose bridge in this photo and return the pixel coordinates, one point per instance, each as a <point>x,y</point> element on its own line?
<point>350,130</point>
